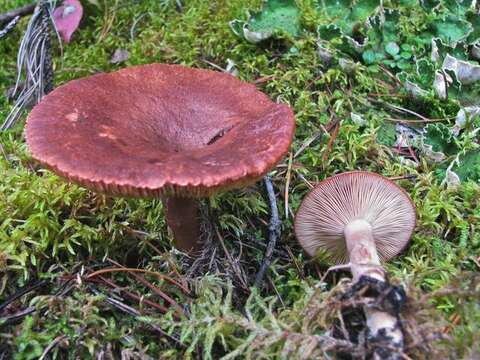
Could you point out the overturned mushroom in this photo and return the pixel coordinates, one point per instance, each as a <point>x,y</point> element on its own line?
<point>163,131</point>
<point>359,218</point>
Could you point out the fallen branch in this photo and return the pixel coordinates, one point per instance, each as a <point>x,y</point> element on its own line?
<point>19,12</point>
<point>22,292</point>
<point>11,319</point>
<point>9,27</point>
<point>274,233</point>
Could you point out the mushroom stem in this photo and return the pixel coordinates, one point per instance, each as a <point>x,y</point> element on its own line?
<point>182,218</point>
<point>362,251</point>
<point>364,261</point>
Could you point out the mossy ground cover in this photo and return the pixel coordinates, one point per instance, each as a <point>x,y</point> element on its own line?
<point>55,235</point>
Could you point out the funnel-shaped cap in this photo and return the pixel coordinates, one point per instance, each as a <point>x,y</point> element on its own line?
<point>157,130</point>
<point>342,199</point>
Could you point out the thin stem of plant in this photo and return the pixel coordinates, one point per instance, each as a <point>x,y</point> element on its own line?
<point>132,270</point>
<point>156,290</point>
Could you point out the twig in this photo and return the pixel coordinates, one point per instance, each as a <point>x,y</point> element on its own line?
<point>50,346</point>
<point>62,291</point>
<point>404,177</point>
<point>391,76</point>
<point>307,143</point>
<point>300,272</point>
<point>287,183</point>
<point>116,303</point>
<point>420,121</point>
<point>155,289</point>
<point>274,232</point>
<point>233,264</point>
<point>412,153</point>
<point>332,139</point>
<point>9,27</point>
<point>134,24</point>
<point>272,284</point>
<point>334,268</point>
<point>455,320</point>
<point>132,270</point>
<point>133,312</point>
<point>387,95</point>
<point>134,296</point>
<point>399,109</point>
<point>22,292</point>
<point>263,79</point>
<point>218,67</point>
<point>308,183</point>
<point>17,316</point>
<point>19,12</point>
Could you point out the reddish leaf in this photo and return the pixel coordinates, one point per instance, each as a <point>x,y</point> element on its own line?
<point>67,18</point>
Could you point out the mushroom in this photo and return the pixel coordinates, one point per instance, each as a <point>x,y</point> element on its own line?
<point>161,131</point>
<point>362,219</point>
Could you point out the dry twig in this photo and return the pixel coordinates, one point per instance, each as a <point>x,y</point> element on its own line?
<point>133,270</point>
<point>19,12</point>
<point>274,232</point>
<point>287,183</point>
<point>157,291</point>
<point>9,27</point>
<point>51,346</point>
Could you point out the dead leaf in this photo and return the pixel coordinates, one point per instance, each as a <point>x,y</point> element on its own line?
<point>119,56</point>
<point>67,18</point>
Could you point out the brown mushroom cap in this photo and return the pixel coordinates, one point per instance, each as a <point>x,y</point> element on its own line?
<point>335,202</point>
<point>159,129</point>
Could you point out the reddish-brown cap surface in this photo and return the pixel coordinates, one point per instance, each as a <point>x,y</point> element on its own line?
<point>335,202</point>
<point>159,129</point>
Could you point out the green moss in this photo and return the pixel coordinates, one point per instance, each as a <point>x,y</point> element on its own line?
<point>50,229</point>
<point>468,167</point>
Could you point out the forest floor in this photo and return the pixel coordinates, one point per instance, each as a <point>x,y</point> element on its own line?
<point>403,104</point>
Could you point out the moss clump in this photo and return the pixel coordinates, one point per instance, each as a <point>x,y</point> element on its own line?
<point>60,233</point>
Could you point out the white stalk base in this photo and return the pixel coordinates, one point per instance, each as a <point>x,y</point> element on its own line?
<point>364,261</point>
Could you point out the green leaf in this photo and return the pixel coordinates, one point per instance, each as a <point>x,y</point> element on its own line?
<point>451,29</point>
<point>458,7</point>
<point>468,167</point>
<point>440,137</point>
<point>392,48</point>
<point>387,134</point>
<point>369,56</point>
<point>346,14</point>
<point>362,9</point>
<point>429,5</point>
<point>474,20</point>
